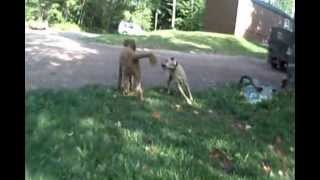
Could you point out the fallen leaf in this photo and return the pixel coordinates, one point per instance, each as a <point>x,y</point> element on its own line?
<point>195,112</point>
<point>156,115</point>
<point>227,165</point>
<point>271,147</point>
<point>210,111</point>
<point>240,126</point>
<point>280,152</point>
<point>222,159</point>
<point>118,124</point>
<point>145,167</point>
<point>266,167</point>
<point>278,140</point>
<point>216,154</point>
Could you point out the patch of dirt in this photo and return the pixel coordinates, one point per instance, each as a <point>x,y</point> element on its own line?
<point>63,60</point>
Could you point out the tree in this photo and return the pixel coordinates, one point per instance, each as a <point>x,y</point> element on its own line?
<point>285,5</point>
<point>105,15</point>
<point>173,19</point>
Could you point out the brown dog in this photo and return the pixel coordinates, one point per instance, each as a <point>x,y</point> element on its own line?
<point>129,68</point>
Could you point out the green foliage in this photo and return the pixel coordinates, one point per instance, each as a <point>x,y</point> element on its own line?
<point>55,14</point>
<point>190,15</point>
<point>66,27</point>
<point>142,16</point>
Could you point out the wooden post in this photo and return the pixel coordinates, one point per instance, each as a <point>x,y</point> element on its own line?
<point>174,2</point>
<point>192,5</point>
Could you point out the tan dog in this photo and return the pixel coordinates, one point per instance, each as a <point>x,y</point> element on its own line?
<point>129,68</point>
<point>178,75</point>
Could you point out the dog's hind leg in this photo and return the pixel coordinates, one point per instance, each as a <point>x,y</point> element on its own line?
<point>137,85</point>
<point>183,94</point>
<point>187,87</point>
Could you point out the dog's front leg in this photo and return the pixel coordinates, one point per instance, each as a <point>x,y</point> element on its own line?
<point>187,87</point>
<point>169,83</point>
<point>183,94</point>
<point>120,76</point>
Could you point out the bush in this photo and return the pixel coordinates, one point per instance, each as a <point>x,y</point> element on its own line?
<point>143,17</point>
<point>32,13</point>
<point>66,27</point>
<point>188,19</point>
<point>54,14</point>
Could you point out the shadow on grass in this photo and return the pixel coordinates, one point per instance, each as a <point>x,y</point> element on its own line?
<point>93,133</point>
<point>191,42</point>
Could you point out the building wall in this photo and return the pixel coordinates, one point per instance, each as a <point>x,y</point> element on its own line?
<point>220,16</point>
<point>250,19</point>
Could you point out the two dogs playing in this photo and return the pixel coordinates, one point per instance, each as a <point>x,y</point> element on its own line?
<point>130,73</point>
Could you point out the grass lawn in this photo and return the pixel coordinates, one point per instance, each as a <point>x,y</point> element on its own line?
<point>93,133</point>
<point>195,41</point>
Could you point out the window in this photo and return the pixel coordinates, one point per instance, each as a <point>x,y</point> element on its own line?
<point>287,24</point>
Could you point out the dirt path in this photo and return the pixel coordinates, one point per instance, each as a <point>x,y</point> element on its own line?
<point>62,60</point>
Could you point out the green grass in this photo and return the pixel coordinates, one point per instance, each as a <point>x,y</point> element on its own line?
<point>66,27</point>
<point>94,133</point>
<point>195,41</point>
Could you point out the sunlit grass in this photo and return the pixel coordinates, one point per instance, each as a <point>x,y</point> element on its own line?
<point>94,133</point>
<point>66,27</point>
<point>194,41</point>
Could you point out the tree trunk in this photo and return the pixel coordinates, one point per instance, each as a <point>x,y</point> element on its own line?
<point>174,2</point>
<point>192,5</point>
<point>293,8</point>
<point>156,20</point>
<point>81,13</point>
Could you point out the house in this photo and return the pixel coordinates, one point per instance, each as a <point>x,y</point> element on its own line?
<point>251,19</point>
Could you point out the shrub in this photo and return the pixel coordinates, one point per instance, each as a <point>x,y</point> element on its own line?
<point>66,27</point>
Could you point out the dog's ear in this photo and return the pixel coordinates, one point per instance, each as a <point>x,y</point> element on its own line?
<point>130,43</point>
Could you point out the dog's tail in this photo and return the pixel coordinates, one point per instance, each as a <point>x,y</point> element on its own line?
<point>152,58</point>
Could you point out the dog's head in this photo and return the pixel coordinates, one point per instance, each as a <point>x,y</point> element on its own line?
<point>130,43</point>
<point>170,63</point>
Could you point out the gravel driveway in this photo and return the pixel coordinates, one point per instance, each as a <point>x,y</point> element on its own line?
<point>63,60</point>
